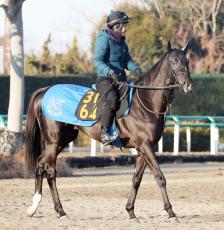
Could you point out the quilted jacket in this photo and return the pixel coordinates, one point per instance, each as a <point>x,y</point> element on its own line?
<point>111,55</point>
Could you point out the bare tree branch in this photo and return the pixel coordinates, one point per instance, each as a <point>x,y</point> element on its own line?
<point>215,9</point>
<point>4,7</point>
<point>159,8</point>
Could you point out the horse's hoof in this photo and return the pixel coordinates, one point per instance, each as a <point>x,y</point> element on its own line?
<point>131,214</point>
<point>174,220</point>
<point>61,213</point>
<point>64,217</point>
<point>134,220</point>
<point>30,211</point>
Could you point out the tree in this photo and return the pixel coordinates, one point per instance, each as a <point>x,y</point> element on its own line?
<point>12,138</point>
<point>6,46</point>
<point>201,20</point>
<point>70,62</point>
<point>46,60</point>
<point>80,61</point>
<point>32,65</point>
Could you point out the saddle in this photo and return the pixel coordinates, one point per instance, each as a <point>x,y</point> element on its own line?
<point>90,106</point>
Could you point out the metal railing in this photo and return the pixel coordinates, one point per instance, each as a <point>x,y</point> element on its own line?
<point>4,120</point>
<point>189,122</point>
<point>213,122</point>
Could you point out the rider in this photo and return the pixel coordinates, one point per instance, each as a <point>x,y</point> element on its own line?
<point>111,58</point>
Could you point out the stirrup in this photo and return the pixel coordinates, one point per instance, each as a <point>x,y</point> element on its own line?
<point>107,139</point>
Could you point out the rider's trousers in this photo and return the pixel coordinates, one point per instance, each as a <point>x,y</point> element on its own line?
<point>111,100</point>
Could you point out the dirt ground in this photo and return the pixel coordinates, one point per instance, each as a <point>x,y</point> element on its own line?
<point>96,199</point>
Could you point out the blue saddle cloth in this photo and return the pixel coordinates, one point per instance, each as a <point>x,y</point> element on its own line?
<point>60,103</point>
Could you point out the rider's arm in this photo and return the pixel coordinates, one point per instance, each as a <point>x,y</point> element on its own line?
<point>101,52</point>
<point>130,64</point>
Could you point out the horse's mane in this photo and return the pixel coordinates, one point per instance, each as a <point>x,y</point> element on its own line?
<point>151,73</point>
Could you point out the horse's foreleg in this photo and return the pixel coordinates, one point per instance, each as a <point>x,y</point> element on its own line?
<point>38,189</point>
<point>149,156</point>
<point>136,180</point>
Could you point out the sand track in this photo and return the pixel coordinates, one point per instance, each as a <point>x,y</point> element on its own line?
<point>96,198</point>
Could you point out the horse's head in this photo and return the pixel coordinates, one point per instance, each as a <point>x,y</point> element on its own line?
<point>178,67</point>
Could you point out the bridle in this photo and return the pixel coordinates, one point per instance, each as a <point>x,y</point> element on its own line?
<point>173,75</point>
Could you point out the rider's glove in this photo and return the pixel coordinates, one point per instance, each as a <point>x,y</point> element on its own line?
<point>138,72</point>
<point>113,75</point>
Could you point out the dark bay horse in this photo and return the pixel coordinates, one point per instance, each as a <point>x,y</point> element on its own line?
<point>141,129</point>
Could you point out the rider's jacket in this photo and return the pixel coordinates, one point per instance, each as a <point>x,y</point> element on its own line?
<point>112,55</point>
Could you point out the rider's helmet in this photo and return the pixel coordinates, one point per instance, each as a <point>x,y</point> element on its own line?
<point>117,17</point>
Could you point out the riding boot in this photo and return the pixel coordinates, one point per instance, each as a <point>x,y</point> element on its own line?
<point>106,137</point>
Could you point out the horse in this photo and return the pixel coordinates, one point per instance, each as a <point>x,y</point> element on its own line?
<point>140,129</point>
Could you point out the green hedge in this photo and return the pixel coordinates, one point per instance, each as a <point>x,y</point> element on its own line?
<point>34,83</point>
<point>206,98</point>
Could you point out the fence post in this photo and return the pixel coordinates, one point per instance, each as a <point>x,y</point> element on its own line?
<point>70,147</point>
<point>214,139</point>
<point>160,145</point>
<point>217,139</point>
<point>133,151</point>
<point>101,148</point>
<point>2,122</point>
<point>93,148</point>
<point>176,136</point>
<point>214,136</point>
<point>176,139</point>
<point>212,144</point>
<point>188,137</point>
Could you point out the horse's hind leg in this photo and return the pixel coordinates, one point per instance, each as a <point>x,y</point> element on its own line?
<point>69,134</point>
<point>38,189</point>
<point>136,180</point>
<point>47,163</point>
<point>50,169</point>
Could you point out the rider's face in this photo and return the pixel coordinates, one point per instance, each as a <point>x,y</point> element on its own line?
<point>124,29</point>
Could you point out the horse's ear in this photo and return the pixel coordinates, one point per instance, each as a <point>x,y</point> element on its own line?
<point>186,47</point>
<point>169,47</point>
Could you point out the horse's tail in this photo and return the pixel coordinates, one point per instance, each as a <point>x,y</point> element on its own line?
<point>33,130</point>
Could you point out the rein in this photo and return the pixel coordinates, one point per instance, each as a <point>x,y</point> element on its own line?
<point>149,110</point>
<point>150,87</point>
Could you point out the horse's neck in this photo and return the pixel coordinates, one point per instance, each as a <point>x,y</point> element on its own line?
<point>156,99</point>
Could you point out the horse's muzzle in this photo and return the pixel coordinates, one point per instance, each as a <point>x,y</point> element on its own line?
<point>185,82</point>
<point>187,87</point>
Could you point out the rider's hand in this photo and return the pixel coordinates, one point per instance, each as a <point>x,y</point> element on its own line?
<point>138,72</point>
<point>114,76</point>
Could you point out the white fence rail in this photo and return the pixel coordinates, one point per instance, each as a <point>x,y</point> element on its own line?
<point>189,122</point>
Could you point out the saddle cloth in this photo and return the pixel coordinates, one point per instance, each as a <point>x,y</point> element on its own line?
<point>60,103</point>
